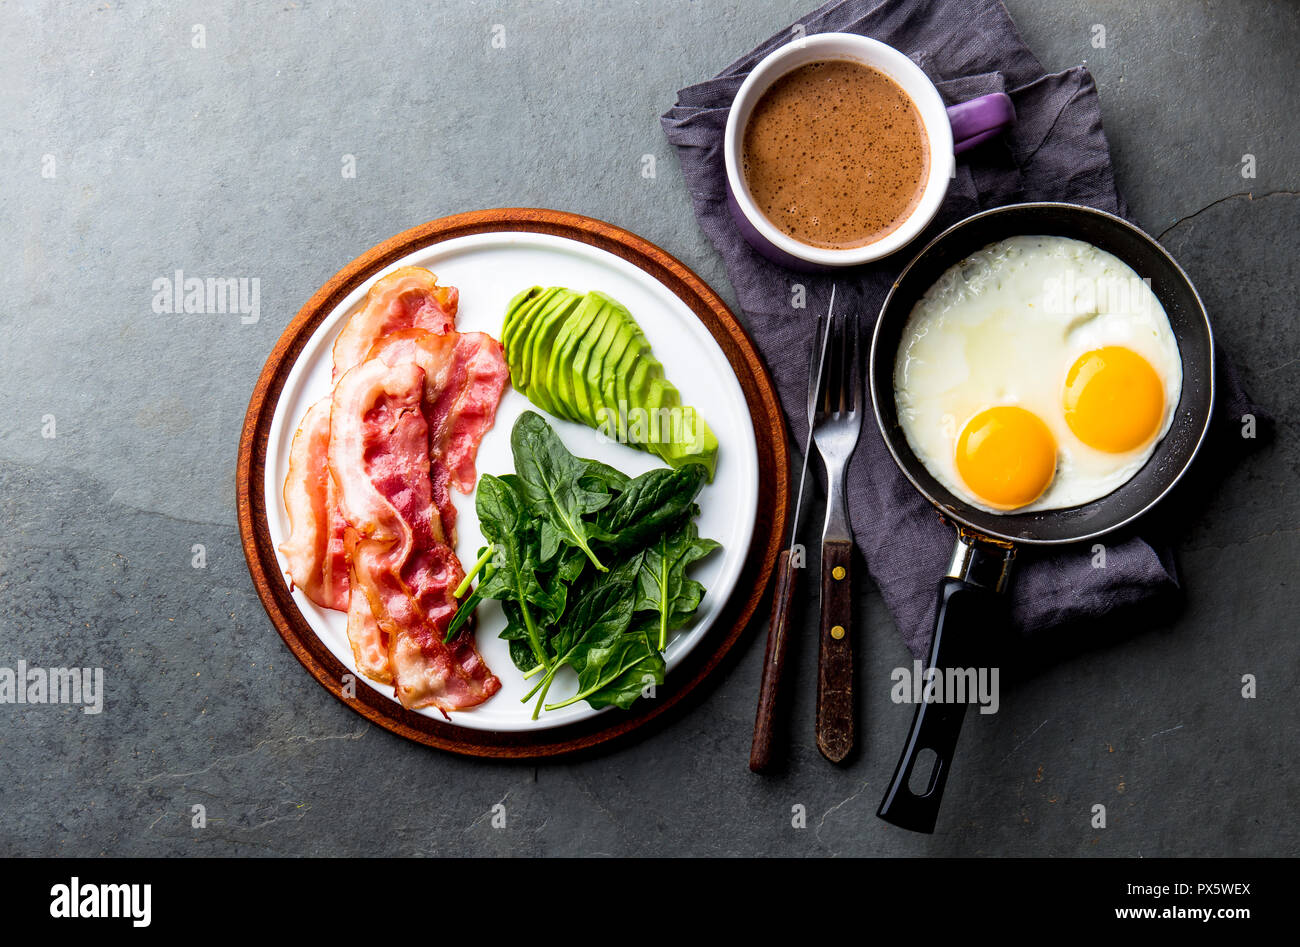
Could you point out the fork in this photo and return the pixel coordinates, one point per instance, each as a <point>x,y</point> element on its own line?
<point>836,426</point>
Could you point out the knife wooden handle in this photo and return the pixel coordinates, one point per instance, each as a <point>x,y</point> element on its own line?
<point>778,643</point>
<point>835,654</point>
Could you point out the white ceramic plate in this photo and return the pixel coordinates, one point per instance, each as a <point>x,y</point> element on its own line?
<point>489,269</point>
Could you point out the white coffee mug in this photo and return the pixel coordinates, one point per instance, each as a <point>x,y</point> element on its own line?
<point>970,123</point>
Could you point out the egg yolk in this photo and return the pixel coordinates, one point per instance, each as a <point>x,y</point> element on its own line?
<point>1114,400</point>
<point>1007,456</point>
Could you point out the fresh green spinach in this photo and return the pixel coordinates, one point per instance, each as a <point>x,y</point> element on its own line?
<point>589,566</point>
<point>552,480</point>
<point>663,586</point>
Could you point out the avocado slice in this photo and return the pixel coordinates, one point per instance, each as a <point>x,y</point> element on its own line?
<point>516,345</point>
<point>537,321</point>
<point>618,365</point>
<point>582,358</point>
<point>660,395</point>
<point>702,449</point>
<point>646,369</point>
<point>613,340</point>
<point>525,345</point>
<point>678,433</point>
<point>513,308</point>
<point>515,348</point>
<point>663,404</point>
<point>559,377</point>
<point>519,308</point>
<point>636,347</point>
<point>546,327</point>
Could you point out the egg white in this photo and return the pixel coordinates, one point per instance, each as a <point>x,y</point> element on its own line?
<point>1003,327</point>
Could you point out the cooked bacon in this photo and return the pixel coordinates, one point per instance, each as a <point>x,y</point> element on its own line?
<point>338,570</point>
<point>428,673</point>
<point>314,550</point>
<point>465,374</point>
<point>466,406</point>
<point>401,563</point>
<point>368,640</point>
<point>408,298</point>
<point>368,489</point>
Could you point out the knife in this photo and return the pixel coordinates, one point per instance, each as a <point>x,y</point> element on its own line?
<point>778,638</point>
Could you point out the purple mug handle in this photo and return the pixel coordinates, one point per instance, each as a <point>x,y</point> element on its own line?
<point>980,119</point>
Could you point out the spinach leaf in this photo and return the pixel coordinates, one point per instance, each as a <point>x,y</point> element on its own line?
<point>597,476</point>
<point>587,636</point>
<point>650,503</point>
<point>552,478</point>
<point>545,523</point>
<point>662,584</point>
<point>618,674</point>
<point>510,573</point>
<point>516,635</point>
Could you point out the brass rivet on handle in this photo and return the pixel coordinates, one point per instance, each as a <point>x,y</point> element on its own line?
<point>838,572</point>
<point>837,632</point>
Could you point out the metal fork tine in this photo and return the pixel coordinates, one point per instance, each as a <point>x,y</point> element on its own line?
<point>828,368</point>
<point>850,349</point>
<point>835,360</point>
<point>828,393</point>
<point>855,363</point>
<point>841,365</point>
<point>813,362</point>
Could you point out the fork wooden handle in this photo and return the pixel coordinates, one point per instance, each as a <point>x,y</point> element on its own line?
<point>835,655</point>
<point>778,643</point>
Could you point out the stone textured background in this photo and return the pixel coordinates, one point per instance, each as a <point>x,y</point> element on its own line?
<point>226,161</point>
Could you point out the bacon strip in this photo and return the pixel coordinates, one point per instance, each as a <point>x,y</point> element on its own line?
<point>379,458</point>
<point>369,641</point>
<point>408,298</point>
<point>465,374</point>
<point>314,550</point>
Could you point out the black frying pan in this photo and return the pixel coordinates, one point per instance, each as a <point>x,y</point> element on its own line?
<point>970,599</point>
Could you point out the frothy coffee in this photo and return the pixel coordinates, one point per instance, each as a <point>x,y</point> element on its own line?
<point>835,154</point>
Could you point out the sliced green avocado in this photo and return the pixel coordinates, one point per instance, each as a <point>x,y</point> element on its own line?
<point>646,369</point>
<point>660,399</point>
<point>700,449</point>
<point>513,308</point>
<point>624,338</point>
<point>559,377</point>
<point>520,340</point>
<point>545,329</point>
<point>670,432</point>
<point>527,349</point>
<point>582,358</point>
<point>520,309</point>
<point>538,323</point>
<point>613,337</point>
<point>664,426</point>
<point>636,348</point>
<point>520,332</point>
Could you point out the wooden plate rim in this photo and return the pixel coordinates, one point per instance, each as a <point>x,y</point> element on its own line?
<point>769,527</point>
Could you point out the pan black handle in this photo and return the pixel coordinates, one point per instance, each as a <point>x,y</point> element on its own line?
<point>971,610</point>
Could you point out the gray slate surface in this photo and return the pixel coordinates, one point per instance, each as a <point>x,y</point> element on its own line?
<point>226,161</point>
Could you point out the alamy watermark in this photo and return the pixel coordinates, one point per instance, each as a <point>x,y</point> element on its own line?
<point>930,685</point>
<point>1073,294</point>
<point>38,685</point>
<point>75,899</point>
<point>213,294</point>
<point>676,425</point>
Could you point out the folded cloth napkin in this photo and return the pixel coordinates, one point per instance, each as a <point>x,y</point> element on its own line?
<point>1055,151</point>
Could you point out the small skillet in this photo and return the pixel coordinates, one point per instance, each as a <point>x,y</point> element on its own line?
<point>971,601</point>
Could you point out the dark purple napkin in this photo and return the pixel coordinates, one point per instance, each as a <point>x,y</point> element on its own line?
<point>1056,151</point>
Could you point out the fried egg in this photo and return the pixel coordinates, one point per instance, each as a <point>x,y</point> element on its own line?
<point>1038,373</point>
